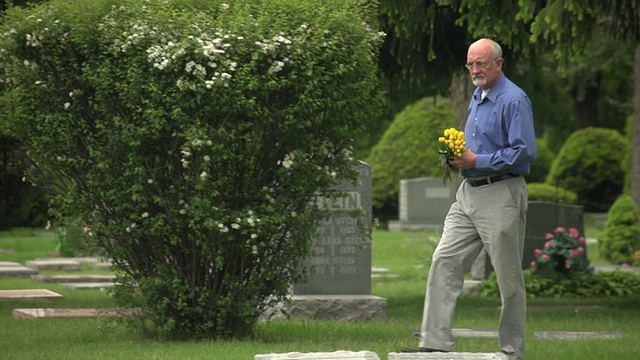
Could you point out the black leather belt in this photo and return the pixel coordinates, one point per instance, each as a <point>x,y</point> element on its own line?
<point>490,179</point>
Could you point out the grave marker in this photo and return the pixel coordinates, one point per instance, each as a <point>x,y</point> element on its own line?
<point>339,286</point>
<point>448,356</point>
<point>340,354</point>
<point>423,204</point>
<point>29,294</point>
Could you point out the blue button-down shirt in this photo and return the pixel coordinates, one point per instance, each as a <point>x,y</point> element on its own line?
<point>500,131</point>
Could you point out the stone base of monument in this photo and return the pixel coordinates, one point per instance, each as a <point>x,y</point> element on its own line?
<point>344,308</point>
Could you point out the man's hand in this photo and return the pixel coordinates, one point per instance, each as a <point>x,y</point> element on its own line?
<point>466,161</point>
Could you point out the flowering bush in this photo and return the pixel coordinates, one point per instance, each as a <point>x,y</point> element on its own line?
<point>193,137</point>
<point>452,144</point>
<point>563,251</point>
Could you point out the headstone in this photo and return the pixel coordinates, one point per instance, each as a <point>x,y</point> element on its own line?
<point>340,262</point>
<point>544,217</point>
<point>448,356</point>
<point>335,355</point>
<point>423,204</point>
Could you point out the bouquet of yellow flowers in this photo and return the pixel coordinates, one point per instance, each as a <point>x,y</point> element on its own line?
<point>451,145</point>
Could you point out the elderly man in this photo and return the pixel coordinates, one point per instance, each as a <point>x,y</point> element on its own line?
<point>490,207</point>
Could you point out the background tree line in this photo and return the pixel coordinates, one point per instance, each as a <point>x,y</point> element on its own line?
<point>572,58</point>
<point>575,58</point>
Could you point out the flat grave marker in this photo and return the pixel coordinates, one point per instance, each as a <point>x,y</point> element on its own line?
<point>448,356</point>
<point>16,271</point>
<point>71,278</point>
<point>29,294</point>
<point>65,313</point>
<point>54,264</point>
<point>336,355</point>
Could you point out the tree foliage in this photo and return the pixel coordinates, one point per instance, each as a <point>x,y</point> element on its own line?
<point>193,137</point>
<point>566,28</point>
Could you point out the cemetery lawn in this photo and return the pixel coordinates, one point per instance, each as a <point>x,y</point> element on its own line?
<point>407,255</point>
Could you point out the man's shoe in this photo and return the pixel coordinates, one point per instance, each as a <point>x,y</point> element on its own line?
<point>421,350</point>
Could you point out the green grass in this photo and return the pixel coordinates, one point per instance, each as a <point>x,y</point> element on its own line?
<point>19,245</point>
<point>406,254</point>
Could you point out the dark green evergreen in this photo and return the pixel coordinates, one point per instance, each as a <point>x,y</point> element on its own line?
<point>621,235</point>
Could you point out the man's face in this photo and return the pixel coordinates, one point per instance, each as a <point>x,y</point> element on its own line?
<point>483,68</point>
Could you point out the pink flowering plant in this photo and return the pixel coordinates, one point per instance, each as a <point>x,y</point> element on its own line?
<point>564,251</point>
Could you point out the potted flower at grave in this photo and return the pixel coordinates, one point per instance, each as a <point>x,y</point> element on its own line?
<point>564,251</point>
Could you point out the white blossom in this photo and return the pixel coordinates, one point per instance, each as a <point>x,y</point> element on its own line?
<point>276,67</point>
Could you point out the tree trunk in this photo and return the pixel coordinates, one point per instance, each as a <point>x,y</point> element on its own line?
<point>635,137</point>
<point>585,108</point>
<point>461,90</point>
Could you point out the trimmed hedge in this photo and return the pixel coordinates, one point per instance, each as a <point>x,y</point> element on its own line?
<point>550,193</point>
<point>621,235</point>
<point>590,164</point>
<point>408,149</point>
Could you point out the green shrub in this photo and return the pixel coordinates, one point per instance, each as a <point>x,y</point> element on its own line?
<point>550,193</point>
<point>575,285</point>
<point>193,137</point>
<point>590,164</point>
<point>75,238</point>
<point>408,149</point>
<point>540,167</point>
<point>621,235</point>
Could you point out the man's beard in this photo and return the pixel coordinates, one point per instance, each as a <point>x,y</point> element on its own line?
<point>479,81</point>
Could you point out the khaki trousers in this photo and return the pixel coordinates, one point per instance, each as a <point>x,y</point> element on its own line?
<point>493,216</point>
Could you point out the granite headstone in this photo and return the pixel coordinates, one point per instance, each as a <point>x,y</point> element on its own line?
<point>341,254</point>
